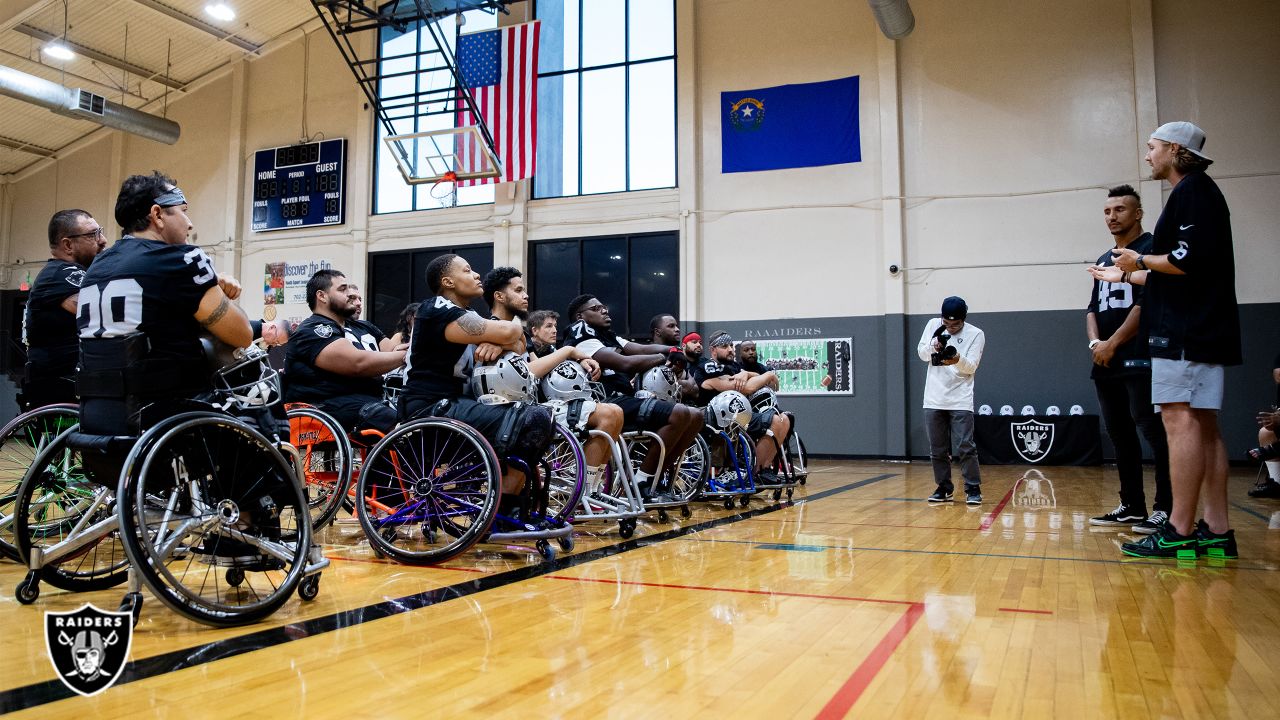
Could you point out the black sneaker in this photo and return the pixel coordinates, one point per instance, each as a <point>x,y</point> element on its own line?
<point>972,498</point>
<point>1152,524</point>
<point>1212,545</point>
<point>940,497</point>
<point>1266,489</point>
<point>1164,543</point>
<point>1122,515</point>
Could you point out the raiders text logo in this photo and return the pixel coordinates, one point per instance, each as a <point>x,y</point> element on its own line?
<point>88,647</point>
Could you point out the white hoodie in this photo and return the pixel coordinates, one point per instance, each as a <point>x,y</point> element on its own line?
<point>950,387</point>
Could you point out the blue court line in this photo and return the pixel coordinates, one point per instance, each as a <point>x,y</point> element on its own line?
<point>1258,515</point>
<point>790,547</point>
<point>995,555</point>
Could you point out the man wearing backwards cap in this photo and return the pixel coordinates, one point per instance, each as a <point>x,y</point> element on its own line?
<point>948,398</point>
<point>1192,325</point>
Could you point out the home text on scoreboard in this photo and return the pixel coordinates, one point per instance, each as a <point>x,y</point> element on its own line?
<point>299,186</point>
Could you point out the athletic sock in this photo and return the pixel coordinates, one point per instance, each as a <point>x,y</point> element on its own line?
<point>1273,469</point>
<point>593,477</point>
<point>643,480</point>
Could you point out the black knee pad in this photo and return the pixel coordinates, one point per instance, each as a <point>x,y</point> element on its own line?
<point>646,409</point>
<point>377,416</point>
<point>526,432</point>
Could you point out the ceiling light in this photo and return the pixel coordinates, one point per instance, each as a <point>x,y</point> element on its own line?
<point>57,50</point>
<point>220,11</point>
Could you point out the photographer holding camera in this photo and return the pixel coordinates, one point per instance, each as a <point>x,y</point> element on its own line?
<point>953,350</point>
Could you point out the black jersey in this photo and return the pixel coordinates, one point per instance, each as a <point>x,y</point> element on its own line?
<point>1111,303</point>
<point>590,341</point>
<point>708,369</point>
<point>147,286</point>
<point>307,382</point>
<point>436,364</point>
<point>1194,316</point>
<point>48,330</point>
<point>755,367</point>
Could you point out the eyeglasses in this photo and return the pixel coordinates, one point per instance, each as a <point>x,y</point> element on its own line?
<point>597,307</point>
<point>95,233</point>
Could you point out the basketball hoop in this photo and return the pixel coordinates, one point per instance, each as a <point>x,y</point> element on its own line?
<point>449,180</point>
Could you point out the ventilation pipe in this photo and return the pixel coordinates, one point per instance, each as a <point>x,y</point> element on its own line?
<point>894,17</point>
<point>84,105</point>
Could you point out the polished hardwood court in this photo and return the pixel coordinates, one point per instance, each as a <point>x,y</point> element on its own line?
<point>856,599</point>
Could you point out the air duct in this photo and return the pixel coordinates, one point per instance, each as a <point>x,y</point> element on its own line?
<point>84,105</point>
<point>894,17</point>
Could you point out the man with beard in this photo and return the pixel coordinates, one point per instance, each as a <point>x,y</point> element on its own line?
<point>665,330</point>
<point>343,378</point>
<point>719,374</point>
<point>748,361</point>
<point>49,323</point>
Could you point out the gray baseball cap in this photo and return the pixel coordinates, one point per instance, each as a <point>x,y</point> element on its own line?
<point>1185,134</point>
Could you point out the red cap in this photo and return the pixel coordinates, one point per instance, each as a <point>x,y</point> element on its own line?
<point>691,337</point>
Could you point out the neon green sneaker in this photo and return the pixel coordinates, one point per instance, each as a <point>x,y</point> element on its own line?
<point>1212,545</point>
<point>1165,543</point>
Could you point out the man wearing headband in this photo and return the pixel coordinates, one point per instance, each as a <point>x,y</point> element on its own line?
<point>721,373</point>
<point>150,282</point>
<point>1191,322</point>
<point>49,322</point>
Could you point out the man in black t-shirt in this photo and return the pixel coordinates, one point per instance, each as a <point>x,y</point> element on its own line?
<point>664,329</point>
<point>1192,324</point>
<point>1122,373</point>
<point>677,425</point>
<point>443,329</point>
<point>336,363</point>
<point>49,322</point>
<point>150,282</point>
<point>720,373</point>
<point>748,360</point>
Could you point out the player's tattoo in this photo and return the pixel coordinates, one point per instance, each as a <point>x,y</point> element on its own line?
<point>471,324</point>
<point>217,313</point>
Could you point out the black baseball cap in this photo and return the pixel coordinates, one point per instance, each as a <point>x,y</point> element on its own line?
<point>953,308</point>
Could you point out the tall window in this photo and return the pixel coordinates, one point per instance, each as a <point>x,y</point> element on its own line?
<point>410,66</point>
<point>400,277</point>
<point>637,276</point>
<point>606,96</point>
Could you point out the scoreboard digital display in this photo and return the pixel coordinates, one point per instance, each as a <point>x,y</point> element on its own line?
<point>300,186</point>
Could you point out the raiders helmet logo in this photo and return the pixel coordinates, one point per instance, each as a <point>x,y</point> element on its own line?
<point>75,277</point>
<point>1032,439</point>
<point>88,647</point>
<point>566,370</point>
<point>324,331</point>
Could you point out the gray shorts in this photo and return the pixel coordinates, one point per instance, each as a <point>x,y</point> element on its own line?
<point>1184,381</point>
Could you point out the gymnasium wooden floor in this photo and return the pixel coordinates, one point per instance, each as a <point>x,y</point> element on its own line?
<point>858,599</point>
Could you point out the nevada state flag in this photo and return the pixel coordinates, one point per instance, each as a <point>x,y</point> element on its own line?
<point>790,126</point>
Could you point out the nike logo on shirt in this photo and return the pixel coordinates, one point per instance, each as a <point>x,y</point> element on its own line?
<point>1186,227</point>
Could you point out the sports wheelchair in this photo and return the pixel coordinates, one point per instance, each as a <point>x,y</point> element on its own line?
<point>197,500</point>
<point>728,451</point>
<point>20,441</point>
<point>790,461</point>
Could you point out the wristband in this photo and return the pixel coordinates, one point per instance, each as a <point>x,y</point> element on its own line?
<point>1142,265</point>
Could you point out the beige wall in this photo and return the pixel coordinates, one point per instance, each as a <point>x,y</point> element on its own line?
<point>1011,117</point>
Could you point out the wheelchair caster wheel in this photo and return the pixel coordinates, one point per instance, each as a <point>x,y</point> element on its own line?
<point>547,552</point>
<point>802,479</point>
<point>626,528</point>
<point>777,495</point>
<point>309,588</point>
<point>566,543</point>
<point>235,576</point>
<point>132,604</point>
<point>388,534</point>
<point>663,516</point>
<point>728,503</point>
<point>790,491</point>
<point>745,500</point>
<point>685,511</point>
<point>29,589</point>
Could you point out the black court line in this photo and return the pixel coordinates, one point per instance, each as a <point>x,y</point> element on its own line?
<point>53,690</point>
<point>1252,512</point>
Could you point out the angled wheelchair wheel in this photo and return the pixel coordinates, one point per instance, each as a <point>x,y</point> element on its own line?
<point>691,470</point>
<point>566,470</point>
<point>428,491</point>
<point>206,499</point>
<point>65,512</point>
<point>324,454</point>
<point>20,441</point>
<point>797,456</point>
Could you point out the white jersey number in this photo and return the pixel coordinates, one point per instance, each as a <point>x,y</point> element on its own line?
<point>202,263</point>
<point>1114,296</point>
<point>111,311</point>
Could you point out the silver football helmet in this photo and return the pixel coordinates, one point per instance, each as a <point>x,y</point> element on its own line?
<point>658,382</point>
<point>567,381</point>
<point>506,380</point>
<point>393,384</point>
<point>764,398</point>
<point>246,380</point>
<point>728,409</point>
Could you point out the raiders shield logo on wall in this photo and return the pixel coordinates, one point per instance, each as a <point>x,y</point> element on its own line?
<point>1032,439</point>
<point>88,647</point>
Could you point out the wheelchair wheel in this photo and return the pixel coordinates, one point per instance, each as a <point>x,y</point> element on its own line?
<point>20,441</point>
<point>58,499</point>
<point>566,470</point>
<point>797,456</point>
<point>325,455</point>
<point>428,491</point>
<point>208,494</point>
<point>691,470</point>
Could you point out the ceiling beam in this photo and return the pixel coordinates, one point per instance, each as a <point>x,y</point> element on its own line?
<point>25,147</point>
<point>201,25</point>
<point>103,58</point>
<point>14,12</point>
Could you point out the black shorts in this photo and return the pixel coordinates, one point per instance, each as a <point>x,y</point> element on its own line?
<point>647,414</point>
<point>760,422</point>
<point>360,412</point>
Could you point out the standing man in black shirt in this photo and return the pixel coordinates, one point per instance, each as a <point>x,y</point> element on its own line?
<point>677,425</point>
<point>1192,324</point>
<point>1122,373</point>
<point>336,363</point>
<point>49,323</point>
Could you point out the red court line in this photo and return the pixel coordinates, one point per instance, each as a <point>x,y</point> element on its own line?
<point>1019,610</point>
<point>988,520</point>
<point>840,703</point>
<point>609,581</point>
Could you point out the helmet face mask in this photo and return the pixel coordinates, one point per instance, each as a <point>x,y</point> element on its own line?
<point>248,381</point>
<point>506,380</point>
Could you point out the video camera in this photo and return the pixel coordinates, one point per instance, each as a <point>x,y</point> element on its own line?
<point>946,351</point>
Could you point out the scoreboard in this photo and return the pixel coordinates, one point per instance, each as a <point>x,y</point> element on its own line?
<point>299,185</point>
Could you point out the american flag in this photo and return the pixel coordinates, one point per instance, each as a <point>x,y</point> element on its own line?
<point>500,67</point>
